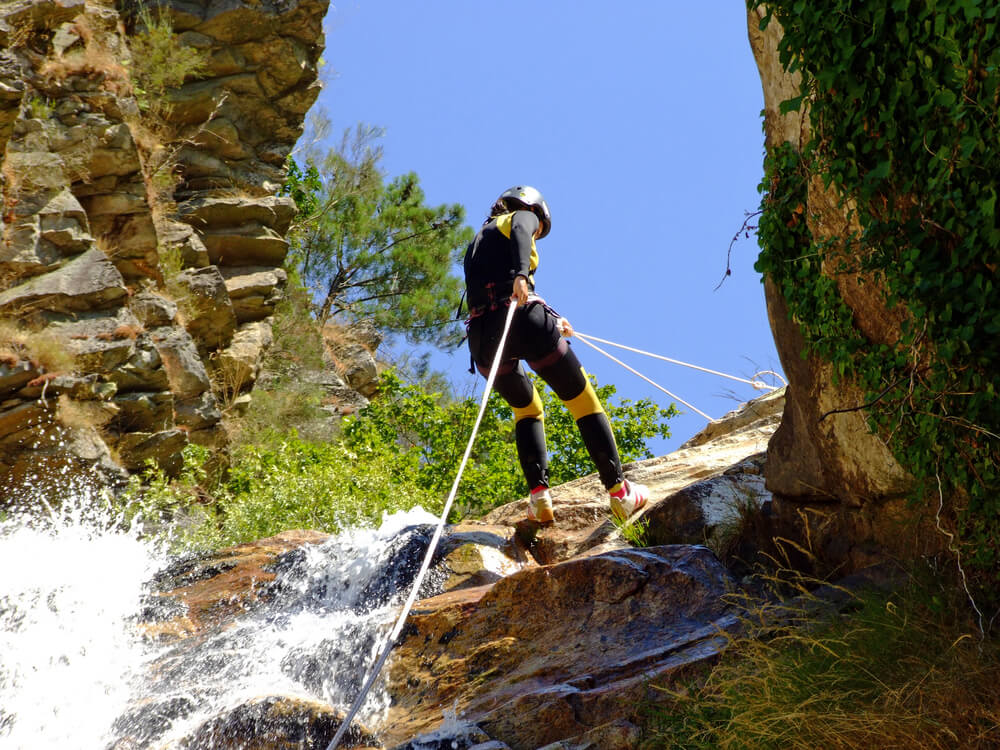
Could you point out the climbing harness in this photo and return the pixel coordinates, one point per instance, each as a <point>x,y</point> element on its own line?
<point>754,381</point>
<point>401,620</point>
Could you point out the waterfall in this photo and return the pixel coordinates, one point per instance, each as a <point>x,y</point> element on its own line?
<point>77,670</point>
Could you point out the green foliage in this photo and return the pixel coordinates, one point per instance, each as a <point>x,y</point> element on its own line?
<point>904,670</point>
<point>160,61</point>
<point>157,501</point>
<point>427,436</point>
<point>308,485</point>
<point>39,108</point>
<point>635,532</point>
<point>369,248</point>
<point>903,99</point>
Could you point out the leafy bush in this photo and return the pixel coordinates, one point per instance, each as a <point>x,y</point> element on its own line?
<point>406,421</point>
<point>160,61</point>
<point>401,451</point>
<point>308,485</point>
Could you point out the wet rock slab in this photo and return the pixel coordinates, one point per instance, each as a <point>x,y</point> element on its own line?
<point>575,646</point>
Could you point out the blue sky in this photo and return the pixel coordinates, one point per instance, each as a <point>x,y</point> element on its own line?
<point>639,122</point>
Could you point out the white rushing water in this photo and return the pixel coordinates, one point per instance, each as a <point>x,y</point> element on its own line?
<point>76,672</point>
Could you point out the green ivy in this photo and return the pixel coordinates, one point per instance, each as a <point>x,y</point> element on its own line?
<point>902,97</point>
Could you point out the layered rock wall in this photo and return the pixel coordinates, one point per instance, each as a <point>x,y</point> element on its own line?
<point>143,238</point>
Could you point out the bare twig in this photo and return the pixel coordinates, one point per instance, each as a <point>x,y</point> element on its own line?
<point>745,230</point>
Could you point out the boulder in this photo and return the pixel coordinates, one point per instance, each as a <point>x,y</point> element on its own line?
<point>63,223</point>
<point>818,455</point>
<point>153,310</point>
<point>573,645</point>
<point>276,723</point>
<point>197,413</point>
<point>143,412</point>
<point>88,282</point>
<point>184,367</point>
<point>186,242</point>
<point>254,290</point>
<point>163,448</point>
<point>77,387</point>
<point>235,368</point>
<point>207,309</point>
<point>358,367</point>
<point>706,511</point>
<point>143,371</point>
<point>208,212</point>
<point>247,244</point>
<point>99,342</point>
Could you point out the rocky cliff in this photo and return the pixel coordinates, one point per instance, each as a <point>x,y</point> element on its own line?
<point>143,236</point>
<point>836,484</point>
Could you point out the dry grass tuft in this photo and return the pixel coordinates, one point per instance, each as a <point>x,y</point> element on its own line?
<point>95,61</point>
<point>41,348</point>
<point>903,670</point>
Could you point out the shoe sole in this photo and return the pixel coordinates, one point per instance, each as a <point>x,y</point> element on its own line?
<point>544,517</point>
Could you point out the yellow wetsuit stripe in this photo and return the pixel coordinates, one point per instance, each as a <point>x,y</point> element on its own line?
<point>586,403</point>
<point>532,410</point>
<point>504,225</point>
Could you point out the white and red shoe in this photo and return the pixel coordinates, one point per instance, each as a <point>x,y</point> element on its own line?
<point>630,498</point>
<point>540,506</point>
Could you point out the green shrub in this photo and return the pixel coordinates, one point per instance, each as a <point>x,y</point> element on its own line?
<point>160,61</point>
<point>306,485</point>
<point>404,420</point>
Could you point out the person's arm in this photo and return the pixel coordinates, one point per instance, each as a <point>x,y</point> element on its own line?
<point>523,226</point>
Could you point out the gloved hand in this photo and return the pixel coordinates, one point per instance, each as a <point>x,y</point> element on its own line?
<point>565,328</point>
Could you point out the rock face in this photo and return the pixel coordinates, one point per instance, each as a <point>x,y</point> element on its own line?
<point>835,483</point>
<point>525,636</point>
<point>149,247</point>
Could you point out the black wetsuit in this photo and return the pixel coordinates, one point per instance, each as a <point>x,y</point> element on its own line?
<point>503,249</point>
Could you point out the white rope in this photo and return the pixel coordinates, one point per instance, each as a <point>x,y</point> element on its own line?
<point>757,384</point>
<point>401,620</point>
<point>636,372</point>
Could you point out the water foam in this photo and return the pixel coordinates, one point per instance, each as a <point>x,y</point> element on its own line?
<point>76,671</point>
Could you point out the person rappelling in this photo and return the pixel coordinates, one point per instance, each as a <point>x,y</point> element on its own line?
<point>500,264</point>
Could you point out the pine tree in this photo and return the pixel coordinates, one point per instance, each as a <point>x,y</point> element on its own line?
<point>371,249</point>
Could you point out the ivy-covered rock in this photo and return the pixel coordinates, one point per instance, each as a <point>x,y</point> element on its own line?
<point>880,246</point>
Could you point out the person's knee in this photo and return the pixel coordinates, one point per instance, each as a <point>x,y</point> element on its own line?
<point>533,410</point>
<point>586,403</point>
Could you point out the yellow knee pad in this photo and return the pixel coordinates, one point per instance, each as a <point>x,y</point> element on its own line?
<point>532,410</point>
<point>586,403</point>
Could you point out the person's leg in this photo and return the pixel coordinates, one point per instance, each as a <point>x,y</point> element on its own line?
<point>558,366</point>
<point>529,430</point>
<point>514,386</point>
<point>564,374</point>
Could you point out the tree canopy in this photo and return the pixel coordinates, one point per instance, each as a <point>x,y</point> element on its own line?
<point>369,248</point>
